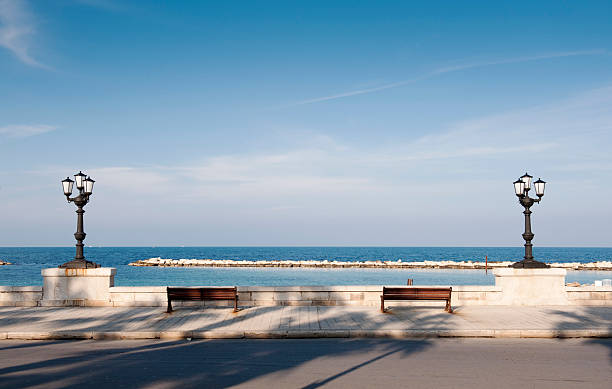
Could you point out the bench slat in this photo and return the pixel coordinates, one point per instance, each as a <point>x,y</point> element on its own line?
<point>201,294</point>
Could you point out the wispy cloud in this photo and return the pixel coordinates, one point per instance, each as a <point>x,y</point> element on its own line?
<point>22,131</point>
<point>448,69</point>
<point>477,64</point>
<point>332,192</point>
<point>572,133</point>
<point>16,30</point>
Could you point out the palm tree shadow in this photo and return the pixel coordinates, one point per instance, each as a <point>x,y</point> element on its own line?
<point>417,345</point>
<point>202,363</point>
<point>213,363</point>
<point>595,318</point>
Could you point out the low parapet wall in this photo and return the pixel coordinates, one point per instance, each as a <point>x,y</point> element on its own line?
<point>23,296</point>
<point>363,295</point>
<point>589,295</point>
<point>366,295</point>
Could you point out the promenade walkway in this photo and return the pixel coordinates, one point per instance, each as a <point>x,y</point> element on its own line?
<point>303,322</point>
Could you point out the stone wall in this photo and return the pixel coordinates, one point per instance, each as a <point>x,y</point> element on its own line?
<point>20,296</point>
<point>368,295</point>
<point>589,295</point>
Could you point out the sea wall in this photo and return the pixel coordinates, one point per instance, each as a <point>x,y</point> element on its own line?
<point>361,295</point>
<point>21,296</point>
<point>366,295</point>
<point>589,295</point>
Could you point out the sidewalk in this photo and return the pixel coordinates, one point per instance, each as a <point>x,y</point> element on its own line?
<point>304,322</point>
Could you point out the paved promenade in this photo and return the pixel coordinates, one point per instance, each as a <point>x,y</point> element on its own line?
<point>303,322</point>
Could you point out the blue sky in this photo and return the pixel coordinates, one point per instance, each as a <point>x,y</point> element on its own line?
<point>305,123</point>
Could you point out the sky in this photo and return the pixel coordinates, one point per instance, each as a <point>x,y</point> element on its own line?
<point>305,123</point>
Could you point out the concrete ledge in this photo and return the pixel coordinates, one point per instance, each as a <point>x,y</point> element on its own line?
<point>75,303</point>
<point>328,295</point>
<point>20,289</point>
<point>62,272</point>
<point>321,295</point>
<point>588,288</point>
<point>20,296</point>
<point>134,335</point>
<point>307,334</point>
<point>9,303</point>
<point>137,289</point>
<point>218,334</point>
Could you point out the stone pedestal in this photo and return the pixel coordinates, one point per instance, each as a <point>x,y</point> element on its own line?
<point>531,286</point>
<point>82,287</point>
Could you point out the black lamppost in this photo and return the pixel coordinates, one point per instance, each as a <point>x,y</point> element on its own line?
<point>85,186</point>
<point>521,188</point>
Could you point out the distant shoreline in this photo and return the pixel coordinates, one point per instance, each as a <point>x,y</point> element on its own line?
<point>160,262</point>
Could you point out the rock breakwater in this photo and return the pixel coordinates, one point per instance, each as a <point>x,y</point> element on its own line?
<point>399,264</point>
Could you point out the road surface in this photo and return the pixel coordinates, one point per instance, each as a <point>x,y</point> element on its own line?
<point>308,363</point>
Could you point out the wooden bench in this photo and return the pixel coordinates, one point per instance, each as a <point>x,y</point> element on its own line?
<point>201,294</point>
<point>417,293</point>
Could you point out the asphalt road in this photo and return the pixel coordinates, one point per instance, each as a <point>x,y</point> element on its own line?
<point>309,363</point>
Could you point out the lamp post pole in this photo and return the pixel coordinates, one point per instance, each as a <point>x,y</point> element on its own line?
<point>85,187</point>
<point>521,189</point>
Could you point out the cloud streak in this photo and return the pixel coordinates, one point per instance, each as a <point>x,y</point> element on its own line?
<point>447,69</point>
<point>565,133</point>
<point>16,29</point>
<point>423,187</point>
<point>23,131</point>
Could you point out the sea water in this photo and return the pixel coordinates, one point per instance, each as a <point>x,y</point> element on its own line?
<point>28,262</point>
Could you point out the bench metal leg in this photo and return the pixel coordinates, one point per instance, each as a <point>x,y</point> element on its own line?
<point>382,304</point>
<point>169,306</point>
<point>448,307</point>
<point>236,304</point>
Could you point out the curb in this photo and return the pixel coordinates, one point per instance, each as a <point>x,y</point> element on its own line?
<point>305,334</point>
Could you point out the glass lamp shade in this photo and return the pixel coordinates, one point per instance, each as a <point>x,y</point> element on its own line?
<point>67,186</point>
<point>527,180</point>
<point>79,178</point>
<point>89,185</point>
<point>539,187</point>
<point>519,187</point>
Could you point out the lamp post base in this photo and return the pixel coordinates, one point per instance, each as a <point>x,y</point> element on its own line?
<point>77,287</point>
<point>529,264</point>
<point>79,264</point>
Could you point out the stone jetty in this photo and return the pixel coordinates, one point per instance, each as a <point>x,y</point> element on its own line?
<point>399,264</point>
<point>4,263</point>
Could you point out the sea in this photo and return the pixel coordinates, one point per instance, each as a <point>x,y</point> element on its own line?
<point>28,262</point>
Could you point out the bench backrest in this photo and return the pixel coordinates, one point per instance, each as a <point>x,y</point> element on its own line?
<point>412,293</point>
<point>201,293</point>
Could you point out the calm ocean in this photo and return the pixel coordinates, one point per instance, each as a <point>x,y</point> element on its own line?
<point>28,261</point>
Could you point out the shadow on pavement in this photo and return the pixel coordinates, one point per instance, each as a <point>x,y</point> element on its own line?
<point>588,318</point>
<point>183,364</point>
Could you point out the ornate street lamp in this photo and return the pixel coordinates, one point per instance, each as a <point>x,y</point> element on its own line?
<point>521,189</point>
<point>85,186</point>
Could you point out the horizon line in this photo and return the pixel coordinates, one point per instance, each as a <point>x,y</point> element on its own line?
<point>298,246</point>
